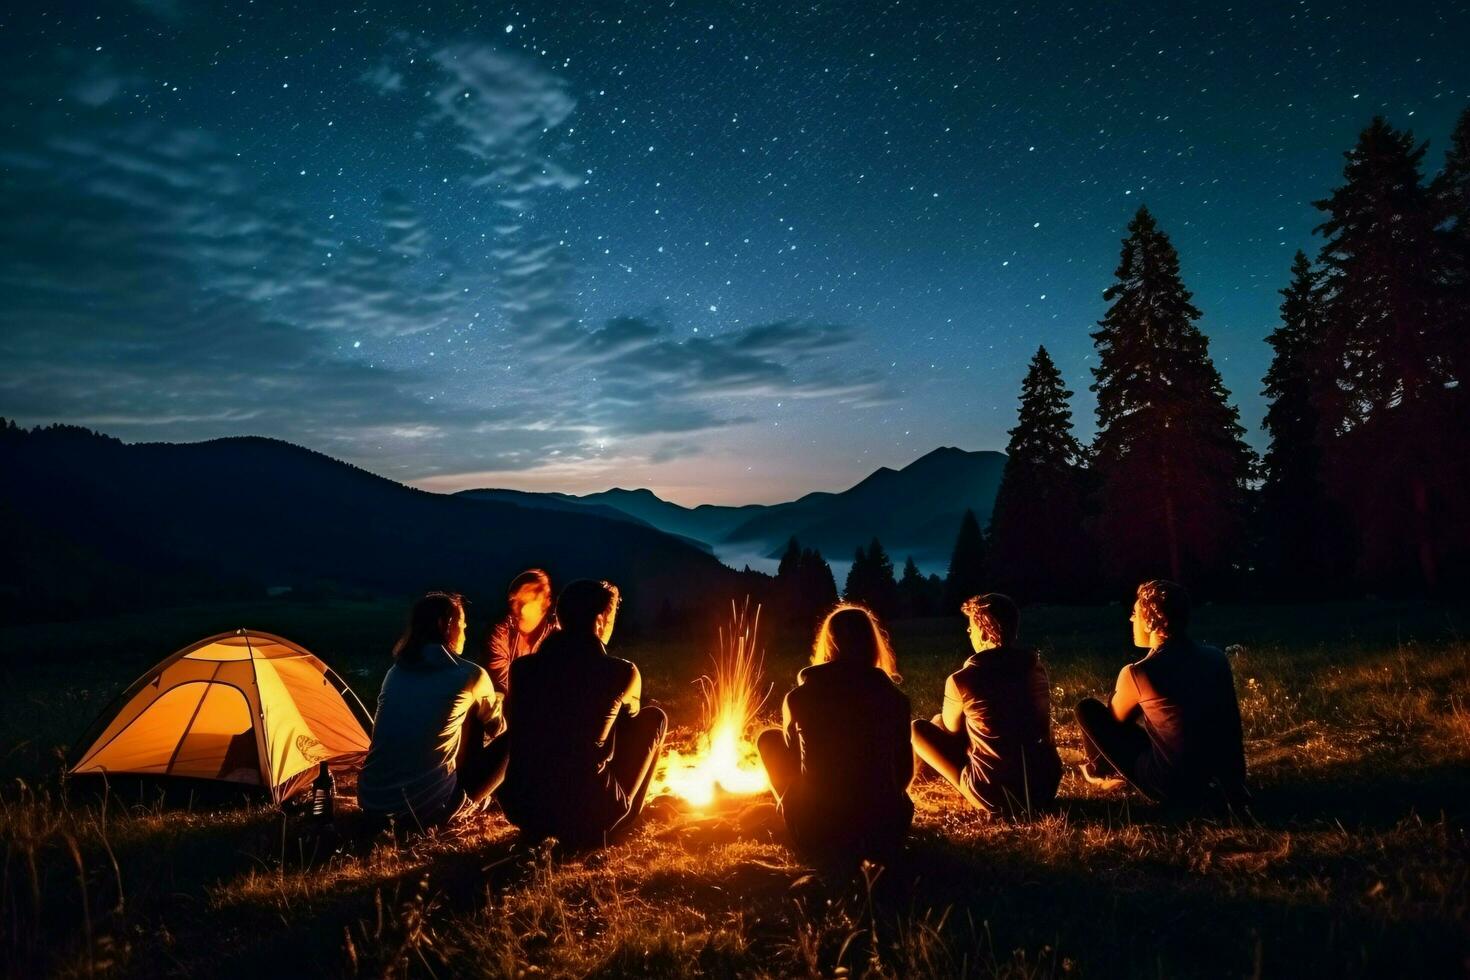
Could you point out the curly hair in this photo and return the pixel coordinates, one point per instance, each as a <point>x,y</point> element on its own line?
<point>994,615</point>
<point>1164,606</point>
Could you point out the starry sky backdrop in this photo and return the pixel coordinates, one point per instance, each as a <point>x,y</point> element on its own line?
<point>731,252</point>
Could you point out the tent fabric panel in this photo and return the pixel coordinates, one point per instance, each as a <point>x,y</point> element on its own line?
<point>198,725</point>
<point>168,677</point>
<point>220,742</point>
<point>228,648</point>
<point>306,721</point>
<point>268,647</point>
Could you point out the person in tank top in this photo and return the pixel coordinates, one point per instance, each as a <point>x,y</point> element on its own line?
<point>993,739</point>
<point>1172,726</point>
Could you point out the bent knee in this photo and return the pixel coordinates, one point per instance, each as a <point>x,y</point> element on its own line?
<point>657,718</point>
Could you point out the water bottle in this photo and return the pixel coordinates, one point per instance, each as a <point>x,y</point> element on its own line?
<point>323,788</point>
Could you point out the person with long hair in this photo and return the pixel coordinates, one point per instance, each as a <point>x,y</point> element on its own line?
<point>419,767</point>
<point>1172,726</point>
<point>993,740</point>
<point>583,746</point>
<point>524,628</point>
<point>840,764</point>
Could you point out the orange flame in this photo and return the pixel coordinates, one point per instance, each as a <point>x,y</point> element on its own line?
<point>724,757</point>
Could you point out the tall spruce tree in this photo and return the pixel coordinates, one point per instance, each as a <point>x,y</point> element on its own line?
<point>1389,350</point>
<point>805,589</point>
<point>1302,548</point>
<point>1451,190</point>
<point>870,580</point>
<point>1170,460</point>
<point>1038,547</point>
<point>966,565</point>
<point>858,577</point>
<point>913,591</point>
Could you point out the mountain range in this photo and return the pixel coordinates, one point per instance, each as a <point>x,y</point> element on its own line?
<point>914,511</point>
<point>90,524</point>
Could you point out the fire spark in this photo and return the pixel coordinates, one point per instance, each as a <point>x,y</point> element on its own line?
<point>724,758</point>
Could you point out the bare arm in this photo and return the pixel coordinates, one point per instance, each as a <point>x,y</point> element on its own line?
<point>1125,694</point>
<point>633,696</point>
<point>954,707</point>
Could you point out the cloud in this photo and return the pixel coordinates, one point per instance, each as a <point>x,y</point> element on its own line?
<point>158,288</point>
<point>384,79</point>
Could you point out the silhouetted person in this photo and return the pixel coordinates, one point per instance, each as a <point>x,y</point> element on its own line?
<point>1172,726</point>
<point>840,765</point>
<point>582,747</point>
<point>523,629</point>
<point>993,740</point>
<point>418,767</point>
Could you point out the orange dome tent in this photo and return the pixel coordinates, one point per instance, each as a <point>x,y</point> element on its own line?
<point>241,709</point>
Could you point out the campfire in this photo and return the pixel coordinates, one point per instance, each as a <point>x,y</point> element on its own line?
<point>724,758</point>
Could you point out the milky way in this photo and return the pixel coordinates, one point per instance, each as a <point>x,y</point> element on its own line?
<point>730,252</point>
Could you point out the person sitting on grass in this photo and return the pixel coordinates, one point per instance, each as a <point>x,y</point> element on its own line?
<point>523,629</point>
<point>1172,726</point>
<point>583,747</point>
<point>840,765</point>
<point>418,767</point>
<point>993,739</point>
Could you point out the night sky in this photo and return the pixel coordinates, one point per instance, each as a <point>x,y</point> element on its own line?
<point>729,252</point>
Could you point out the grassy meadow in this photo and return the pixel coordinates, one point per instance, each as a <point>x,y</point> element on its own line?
<point>1353,860</point>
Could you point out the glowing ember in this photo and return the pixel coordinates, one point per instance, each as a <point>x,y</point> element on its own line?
<point>724,757</point>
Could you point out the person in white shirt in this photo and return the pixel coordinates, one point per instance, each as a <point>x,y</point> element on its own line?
<point>418,768</point>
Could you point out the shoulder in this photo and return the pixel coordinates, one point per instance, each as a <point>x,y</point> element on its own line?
<point>894,693</point>
<point>1214,655</point>
<point>473,673</point>
<point>962,681</point>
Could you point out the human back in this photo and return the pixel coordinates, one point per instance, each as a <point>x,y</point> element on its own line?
<point>1006,702</point>
<point>568,695</point>
<point>412,766</point>
<point>1186,696</point>
<point>582,746</point>
<point>851,723</point>
<point>840,764</point>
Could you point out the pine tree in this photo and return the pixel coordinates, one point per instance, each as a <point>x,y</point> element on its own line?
<point>1038,548</point>
<point>1302,546</point>
<point>790,560</point>
<point>818,584</point>
<point>966,565</point>
<point>913,591</point>
<point>1389,351</point>
<point>870,580</point>
<point>1451,192</point>
<point>883,597</point>
<point>805,588</point>
<point>1170,459</point>
<point>856,585</point>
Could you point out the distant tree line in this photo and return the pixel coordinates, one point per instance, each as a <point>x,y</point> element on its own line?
<point>1365,482</point>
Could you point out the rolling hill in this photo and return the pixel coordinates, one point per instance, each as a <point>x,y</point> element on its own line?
<point>89,523</point>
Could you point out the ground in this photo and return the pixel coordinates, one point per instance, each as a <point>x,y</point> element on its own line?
<point>1353,860</point>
